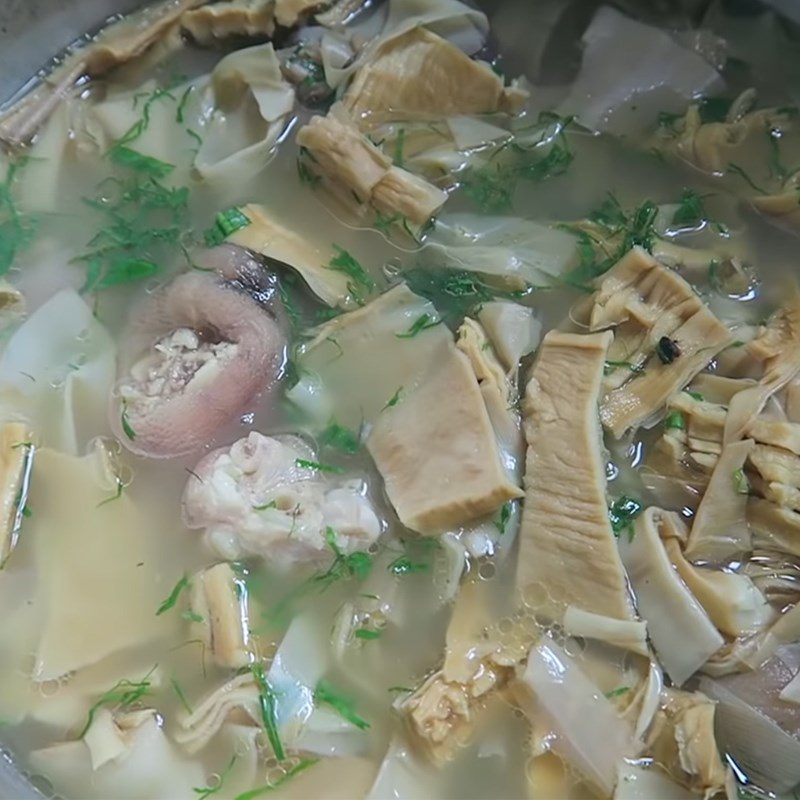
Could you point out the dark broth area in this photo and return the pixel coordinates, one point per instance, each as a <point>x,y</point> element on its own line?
<point>412,640</point>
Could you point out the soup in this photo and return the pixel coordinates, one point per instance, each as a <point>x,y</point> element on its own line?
<point>376,423</point>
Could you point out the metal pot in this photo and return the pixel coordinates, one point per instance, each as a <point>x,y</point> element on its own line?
<point>540,38</point>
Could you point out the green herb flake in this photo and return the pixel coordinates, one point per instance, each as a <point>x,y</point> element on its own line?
<point>735,169</point>
<point>694,395</point>
<point>394,399</point>
<point>421,323</point>
<point>16,229</point>
<point>404,689</point>
<point>740,483</point>
<point>637,229</point>
<point>340,438</point>
<point>142,124</point>
<point>138,162</point>
<point>490,187</point>
<point>355,565</point>
<point>225,224</point>
<point>367,634</point>
<point>621,513</point>
<point>268,702</point>
<point>620,690</point>
<point>302,765</point>
<point>265,506</point>
<point>143,225</point>
<point>304,463</point>
<point>505,516</point>
<point>212,788</point>
<point>181,696</point>
<point>182,104</point>
<point>456,293</point>
<point>116,496</point>
<point>360,280</point>
<point>192,616</point>
<point>403,565</point>
<point>675,420</point>
<point>170,601</point>
<point>122,694</point>
<point>690,211</point>
<point>325,693</point>
<point>126,426</point>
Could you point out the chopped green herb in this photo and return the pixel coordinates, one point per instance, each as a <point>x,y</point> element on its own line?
<point>138,162</point>
<point>403,565</point>
<point>115,496</point>
<point>400,689</point>
<point>225,223</point>
<point>340,438</point>
<point>737,170</point>
<point>315,465</point>
<point>303,764</point>
<point>182,104</point>
<point>694,395</point>
<point>343,567</point>
<point>271,504</point>
<point>620,690</point>
<point>141,125</point>
<point>126,426</point>
<point>208,789</point>
<point>489,186</point>
<point>196,136</point>
<point>360,279</point>
<point>610,366</point>
<point>676,420</point>
<point>622,512</point>
<point>366,633</point>
<point>455,293</point>
<point>737,343</point>
<point>327,694</point>
<point>355,565</point>
<point>667,350</point>
<point>555,163</point>
<point>690,211</point>
<point>181,696</point>
<point>492,185</point>
<point>421,323</point>
<point>169,602</point>
<point>16,229</point>
<point>505,516</point>
<point>398,147</point>
<point>269,709</point>
<point>144,225</point>
<point>192,616</point>
<point>394,399</point>
<point>740,483</point>
<point>636,229</point>
<point>122,694</point>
